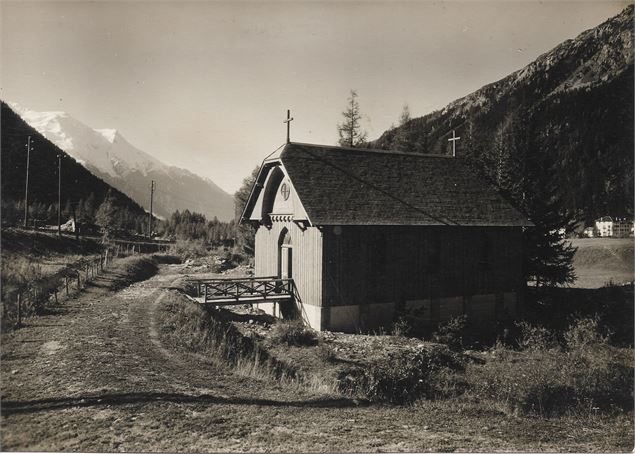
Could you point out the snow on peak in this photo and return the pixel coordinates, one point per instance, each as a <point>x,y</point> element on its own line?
<point>109,134</point>
<point>104,150</point>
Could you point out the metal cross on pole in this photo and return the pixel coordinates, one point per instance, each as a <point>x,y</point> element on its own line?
<point>288,122</point>
<point>453,140</point>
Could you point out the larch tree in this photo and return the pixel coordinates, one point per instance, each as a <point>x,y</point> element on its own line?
<point>405,115</point>
<point>402,139</point>
<point>350,130</point>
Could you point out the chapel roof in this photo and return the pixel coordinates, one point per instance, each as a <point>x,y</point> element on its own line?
<point>355,186</point>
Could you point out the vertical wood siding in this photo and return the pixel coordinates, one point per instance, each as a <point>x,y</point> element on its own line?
<point>418,263</point>
<point>307,258</point>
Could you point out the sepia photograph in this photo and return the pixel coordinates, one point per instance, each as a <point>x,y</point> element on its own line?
<point>317,226</point>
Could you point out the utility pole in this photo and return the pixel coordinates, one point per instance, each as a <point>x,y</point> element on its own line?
<point>59,195</point>
<point>151,199</point>
<point>26,189</point>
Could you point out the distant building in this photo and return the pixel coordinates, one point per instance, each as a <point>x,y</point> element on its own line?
<point>366,234</point>
<point>82,228</point>
<point>606,226</point>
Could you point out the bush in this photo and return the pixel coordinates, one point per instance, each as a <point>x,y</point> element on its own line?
<point>18,272</point>
<point>453,332</point>
<point>401,327</point>
<point>584,333</point>
<point>407,376</point>
<point>189,249</point>
<point>535,337</point>
<point>293,333</point>
<point>589,375</point>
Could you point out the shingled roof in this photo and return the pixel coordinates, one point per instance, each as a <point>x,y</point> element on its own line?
<point>352,186</point>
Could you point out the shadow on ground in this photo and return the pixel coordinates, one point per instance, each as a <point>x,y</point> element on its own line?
<point>32,406</point>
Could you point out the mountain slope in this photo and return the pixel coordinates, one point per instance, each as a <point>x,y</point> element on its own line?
<point>107,154</point>
<point>573,104</point>
<point>77,182</point>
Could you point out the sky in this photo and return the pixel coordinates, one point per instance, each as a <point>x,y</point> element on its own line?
<point>204,85</point>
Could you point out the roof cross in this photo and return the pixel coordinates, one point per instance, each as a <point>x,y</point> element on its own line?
<point>453,140</point>
<point>288,122</point>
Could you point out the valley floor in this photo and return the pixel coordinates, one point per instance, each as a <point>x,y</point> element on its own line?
<point>93,375</point>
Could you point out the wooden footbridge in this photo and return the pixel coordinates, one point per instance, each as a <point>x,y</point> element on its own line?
<point>227,292</point>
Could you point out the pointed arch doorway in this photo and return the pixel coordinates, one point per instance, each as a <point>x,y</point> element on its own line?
<point>285,270</point>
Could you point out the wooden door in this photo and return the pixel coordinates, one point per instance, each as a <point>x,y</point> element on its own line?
<point>286,262</point>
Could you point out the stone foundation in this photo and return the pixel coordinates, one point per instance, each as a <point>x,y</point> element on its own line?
<point>355,318</point>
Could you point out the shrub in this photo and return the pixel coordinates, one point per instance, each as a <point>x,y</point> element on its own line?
<point>189,249</point>
<point>18,273</point>
<point>584,333</point>
<point>293,333</point>
<point>533,337</point>
<point>453,332</point>
<point>407,376</point>
<point>401,327</point>
<point>549,381</point>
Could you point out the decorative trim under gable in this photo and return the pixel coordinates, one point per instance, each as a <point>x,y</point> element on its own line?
<point>281,217</point>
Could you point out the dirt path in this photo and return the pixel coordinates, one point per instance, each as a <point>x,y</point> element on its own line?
<point>94,376</point>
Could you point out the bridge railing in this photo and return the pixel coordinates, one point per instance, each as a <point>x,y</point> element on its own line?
<point>243,290</point>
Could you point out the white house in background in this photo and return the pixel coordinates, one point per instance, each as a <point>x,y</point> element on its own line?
<point>606,226</point>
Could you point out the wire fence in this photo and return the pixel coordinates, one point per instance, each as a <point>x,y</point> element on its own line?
<point>35,296</point>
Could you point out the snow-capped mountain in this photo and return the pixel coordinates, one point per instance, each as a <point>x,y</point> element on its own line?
<point>108,155</point>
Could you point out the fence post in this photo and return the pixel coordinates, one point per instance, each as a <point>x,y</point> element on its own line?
<point>66,284</point>
<point>55,292</point>
<point>19,308</point>
<point>79,282</point>
<point>205,287</point>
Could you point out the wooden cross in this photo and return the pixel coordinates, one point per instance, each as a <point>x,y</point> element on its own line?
<point>288,122</point>
<point>453,140</point>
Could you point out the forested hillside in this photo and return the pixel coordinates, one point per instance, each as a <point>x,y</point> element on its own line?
<point>570,111</point>
<point>82,192</point>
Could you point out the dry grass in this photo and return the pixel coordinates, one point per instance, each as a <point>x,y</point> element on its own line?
<point>583,375</point>
<point>188,326</point>
<point>599,261</point>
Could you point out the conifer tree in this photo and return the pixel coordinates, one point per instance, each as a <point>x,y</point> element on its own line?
<point>350,130</point>
<point>405,115</point>
<point>530,180</point>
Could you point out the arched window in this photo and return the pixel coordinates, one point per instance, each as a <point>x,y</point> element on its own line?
<point>284,238</point>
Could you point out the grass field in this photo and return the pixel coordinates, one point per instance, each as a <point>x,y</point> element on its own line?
<point>601,261</point>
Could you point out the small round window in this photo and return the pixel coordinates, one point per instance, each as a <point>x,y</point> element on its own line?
<point>285,191</point>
